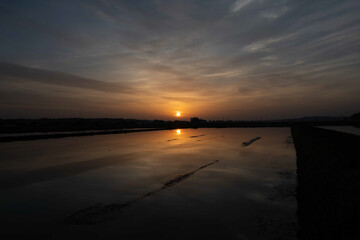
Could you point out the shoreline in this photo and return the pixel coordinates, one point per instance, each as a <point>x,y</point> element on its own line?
<point>95,132</point>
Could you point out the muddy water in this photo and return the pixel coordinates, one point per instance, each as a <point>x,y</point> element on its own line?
<point>182,184</point>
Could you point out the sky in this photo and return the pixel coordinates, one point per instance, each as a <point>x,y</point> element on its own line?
<point>148,59</point>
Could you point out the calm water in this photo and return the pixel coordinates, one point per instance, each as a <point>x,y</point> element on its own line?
<point>248,194</point>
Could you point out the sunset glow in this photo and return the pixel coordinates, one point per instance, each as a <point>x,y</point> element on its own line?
<point>157,60</point>
<point>206,115</point>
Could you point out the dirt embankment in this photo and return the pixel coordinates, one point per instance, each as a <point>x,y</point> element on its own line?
<point>328,191</point>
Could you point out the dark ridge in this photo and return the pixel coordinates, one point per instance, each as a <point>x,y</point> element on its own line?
<point>101,213</point>
<point>174,139</point>
<point>195,136</point>
<point>245,144</point>
<point>328,190</point>
<point>184,176</point>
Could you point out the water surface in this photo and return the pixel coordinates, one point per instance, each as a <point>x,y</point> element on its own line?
<point>246,194</point>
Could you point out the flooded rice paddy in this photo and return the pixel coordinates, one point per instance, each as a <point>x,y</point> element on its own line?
<point>171,184</point>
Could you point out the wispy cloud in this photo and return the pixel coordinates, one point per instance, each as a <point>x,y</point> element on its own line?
<point>239,4</point>
<point>264,45</point>
<point>23,73</point>
<point>210,58</point>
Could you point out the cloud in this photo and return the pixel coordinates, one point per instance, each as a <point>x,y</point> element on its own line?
<point>264,45</point>
<point>155,55</point>
<point>274,13</point>
<point>239,4</point>
<point>23,73</point>
<point>183,99</point>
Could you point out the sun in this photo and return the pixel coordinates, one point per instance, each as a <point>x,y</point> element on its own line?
<point>178,114</point>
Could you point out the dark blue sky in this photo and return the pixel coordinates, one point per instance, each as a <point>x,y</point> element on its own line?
<point>234,59</point>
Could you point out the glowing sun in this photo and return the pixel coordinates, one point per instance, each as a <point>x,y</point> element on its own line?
<point>178,114</point>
